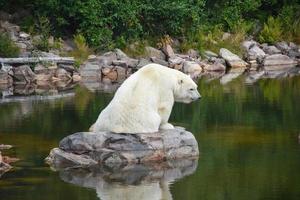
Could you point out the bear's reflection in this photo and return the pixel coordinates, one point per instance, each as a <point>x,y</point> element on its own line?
<point>132,182</point>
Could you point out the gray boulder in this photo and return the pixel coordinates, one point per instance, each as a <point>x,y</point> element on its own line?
<point>152,52</point>
<point>23,74</point>
<point>271,50</point>
<point>168,50</point>
<point>5,78</point>
<point>210,54</point>
<point>90,71</point>
<point>255,53</point>
<point>235,62</point>
<point>283,47</point>
<point>86,149</point>
<point>193,53</point>
<point>143,62</point>
<point>62,74</point>
<point>120,54</point>
<point>159,61</point>
<point>248,44</point>
<point>278,62</point>
<point>192,68</point>
<point>214,67</point>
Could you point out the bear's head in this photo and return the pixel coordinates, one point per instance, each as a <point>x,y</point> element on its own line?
<point>186,89</point>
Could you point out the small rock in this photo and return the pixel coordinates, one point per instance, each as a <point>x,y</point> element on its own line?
<point>120,54</point>
<point>271,50</point>
<point>122,72</point>
<point>226,36</point>
<point>62,74</point>
<point>283,47</point>
<point>214,67</point>
<point>190,67</point>
<point>176,62</point>
<point>143,62</point>
<point>106,70</point>
<point>106,59</point>
<point>167,49</point>
<point>193,53</point>
<point>68,68</point>
<point>248,44</point>
<point>76,77</point>
<point>152,52</point>
<point>159,61</point>
<point>120,63</point>
<point>209,54</point>
<point>24,36</point>
<point>92,57</point>
<point>5,78</point>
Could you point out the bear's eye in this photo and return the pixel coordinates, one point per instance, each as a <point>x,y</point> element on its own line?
<point>191,89</point>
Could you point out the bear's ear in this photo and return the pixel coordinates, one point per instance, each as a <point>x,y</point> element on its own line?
<point>180,81</point>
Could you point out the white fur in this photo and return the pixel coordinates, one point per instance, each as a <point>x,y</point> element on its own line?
<point>144,102</point>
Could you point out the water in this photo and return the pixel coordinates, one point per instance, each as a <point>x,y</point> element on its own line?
<point>247,135</point>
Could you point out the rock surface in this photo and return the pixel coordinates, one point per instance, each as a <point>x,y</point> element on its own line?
<point>235,62</point>
<point>278,62</point>
<point>86,149</point>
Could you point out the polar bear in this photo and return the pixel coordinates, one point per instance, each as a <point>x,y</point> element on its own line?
<point>144,101</point>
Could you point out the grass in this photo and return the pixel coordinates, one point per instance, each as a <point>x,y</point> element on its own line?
<point>7,47</point>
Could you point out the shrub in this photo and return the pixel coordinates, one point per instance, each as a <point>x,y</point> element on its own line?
<point>43,27</point>
<point>290,17</point>
<point>272,31</point>
<point>82,50</point>
<point>8,47</point>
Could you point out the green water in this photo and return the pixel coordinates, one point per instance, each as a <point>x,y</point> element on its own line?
<point>247,135</point>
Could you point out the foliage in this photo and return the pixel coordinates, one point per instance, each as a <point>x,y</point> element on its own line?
<point>43,27</point>
<point>290,17</point>
<point>82,50</point>
<point>272,31</point>
<point>8,47</point>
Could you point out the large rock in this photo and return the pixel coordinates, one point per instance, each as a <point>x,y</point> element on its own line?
<point>246,45</point>
<point>152,52</point>
<point>191,67</point>
<point>5,78</point>
<point>256,53</point>
<point>85,149</point>
<point>167,49</point>
<point>90,71</point>
<point>62,74</point>
<point>278,62</point>
<point>235,62</point>
<point>271,50</point>
<point>23,74</point>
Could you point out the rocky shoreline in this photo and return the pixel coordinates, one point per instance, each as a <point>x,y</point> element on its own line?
<point>107,71</point>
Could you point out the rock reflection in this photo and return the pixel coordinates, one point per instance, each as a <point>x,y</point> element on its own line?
<point>141,182</point>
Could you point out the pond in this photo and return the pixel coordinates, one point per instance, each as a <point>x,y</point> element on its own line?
<point>247,135</point>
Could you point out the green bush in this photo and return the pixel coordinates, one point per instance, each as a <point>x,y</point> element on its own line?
<point>102,22</point>
<point>82,51</point>
<point>43,28</point>
<point>290,17</point>
<point>8,47</point>
<point>272,31</point>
